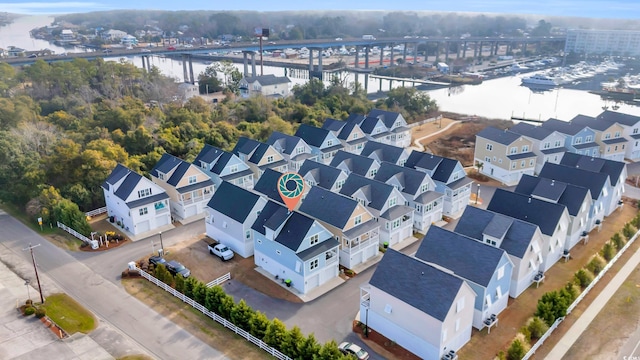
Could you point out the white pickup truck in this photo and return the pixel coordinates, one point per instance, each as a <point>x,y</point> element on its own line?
<point>221,251</point>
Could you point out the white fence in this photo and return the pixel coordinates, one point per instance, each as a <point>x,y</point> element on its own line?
<point>421,122</point>
<point>219,280</point>
<point>226,323</point>
<point>581,296</point>
<point>73,232</point>
<point>95,212</point>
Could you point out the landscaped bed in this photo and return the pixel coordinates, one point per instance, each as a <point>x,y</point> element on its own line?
<point>69,314</point>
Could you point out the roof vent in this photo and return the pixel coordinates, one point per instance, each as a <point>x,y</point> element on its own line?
<point>529,200</point>
<point>422,273</point>
<point>553,182</point>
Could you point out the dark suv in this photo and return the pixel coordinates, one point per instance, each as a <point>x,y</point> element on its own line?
<point>156,260</point>
<point>175,268</point>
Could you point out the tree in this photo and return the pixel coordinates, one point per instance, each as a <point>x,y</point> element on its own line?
<point>628,231</point>
<point>180,281</point>
<point>188,287</point>
<point>595,265</point>
<point>516,350</point>
<point>537,328</point>
<point>583,278</point>
<point>212,298</point>
<point>69,214</point>
<point>258,325</point>
<point>199,292</point>
<point>309,348</point>
<point>275,333</point>
<point>208,81</point>
<point>552,305</point>
<point>292,343</point>
<point>226,306</point>
<point>329,351</point>
<point>163,274</point>
<point>241,315</point>
<point>618,242</point>
<point>608,251</point>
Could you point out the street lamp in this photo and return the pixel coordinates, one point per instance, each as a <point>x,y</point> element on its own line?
<point>477,193</point>
<point>161,244</point>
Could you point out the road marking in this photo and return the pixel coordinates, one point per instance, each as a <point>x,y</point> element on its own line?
<point>634,349</point>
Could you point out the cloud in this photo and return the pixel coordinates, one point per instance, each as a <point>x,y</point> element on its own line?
<point>50,7</point>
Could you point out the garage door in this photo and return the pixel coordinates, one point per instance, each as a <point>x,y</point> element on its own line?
<point>162,220</point>
<point>313,282</point>
<point>190,211</point>
<point>142,227</point>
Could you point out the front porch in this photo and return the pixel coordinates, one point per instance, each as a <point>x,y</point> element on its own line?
<point>356,249</point>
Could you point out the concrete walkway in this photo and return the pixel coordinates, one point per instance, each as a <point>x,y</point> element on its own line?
<point>576,330</point>
<point>417,143</point>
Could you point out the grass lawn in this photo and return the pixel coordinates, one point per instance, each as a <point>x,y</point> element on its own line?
<point>69,314</point>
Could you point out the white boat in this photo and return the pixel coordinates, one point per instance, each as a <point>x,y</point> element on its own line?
<point>539,79</point>
<point>517,67</point>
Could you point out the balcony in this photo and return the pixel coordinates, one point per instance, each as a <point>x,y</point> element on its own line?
<point>358,244</point>
<point>365,298</point>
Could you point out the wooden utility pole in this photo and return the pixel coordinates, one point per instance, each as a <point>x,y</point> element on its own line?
<point>35,268</point>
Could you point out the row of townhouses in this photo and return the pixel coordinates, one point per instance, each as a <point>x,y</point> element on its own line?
<point>507,155</point>
<point>462,279</point>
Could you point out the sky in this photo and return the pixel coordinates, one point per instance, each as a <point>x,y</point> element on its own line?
<point>612,9</point>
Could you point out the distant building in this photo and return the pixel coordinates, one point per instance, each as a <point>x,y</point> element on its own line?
<point>67,35</point>
<point>605,42</point>
<point>267,85</point>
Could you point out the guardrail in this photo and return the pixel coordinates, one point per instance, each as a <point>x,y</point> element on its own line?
<point>581,296</point>
<point>95,212</point>
<point>219,280</point>
<point>73,232</point>
<point>226,323</point>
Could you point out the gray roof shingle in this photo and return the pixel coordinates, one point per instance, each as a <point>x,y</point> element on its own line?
<point>355,163</point>
<point>593,181</point>
<point>327,206</point>
<point>233,201</point>
<point>417,283</point>
<point>384,152</point>
<point>504,137</point>
<point>568,195</point>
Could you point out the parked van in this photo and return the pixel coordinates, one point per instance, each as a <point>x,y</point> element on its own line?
<point>368,37</point>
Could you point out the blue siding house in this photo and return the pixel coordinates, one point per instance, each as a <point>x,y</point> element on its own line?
<point>294,247</point>
<point>487,269</point>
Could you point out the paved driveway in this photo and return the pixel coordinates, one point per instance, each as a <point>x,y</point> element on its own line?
<point>96,287</point>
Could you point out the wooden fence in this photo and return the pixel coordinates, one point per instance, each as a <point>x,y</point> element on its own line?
<point>95,212</point>
<point>73,232</point>
<point>226,323</point>
<point>219,280</point>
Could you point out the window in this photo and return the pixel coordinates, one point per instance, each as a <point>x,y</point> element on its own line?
<point>233,168</point>
<point>299,149</point>
<point>501,272</point>
<point>531,162</point>
<point>489,147</point>
<point>354,136</point>
<point>393,201</point>
<point>498,292</point>
<point>588,138</point>
<point>457,324</point>
<point>329,142</point>
<point>558,143</point>
<point>313,264</point>
<point>607,136</point>
<point>339,184</point>
<point>314,239</point>
<point>358,219</point>
<point>144,192</point>
<point>396,223</point>
<point>617,134</point>
<point>635,130</point>
<point>525,148</point>
<point>144,211</point>
<point>546,145</point>
<point>460,304</point>
<point>192,179</point>
<point>270,158</point>
<point>259,241</point>
<point>522,163</point>
<point>248,234</point>
<point>487,159</point>
<point>513,165</point>
<point>577,140</point>
<point>424,187</point>
<point>513,150</point>
<point>278,252</point>
<point>160,176</point>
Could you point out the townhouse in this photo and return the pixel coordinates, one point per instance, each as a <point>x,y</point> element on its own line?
<point>579,139</point>
<point>324,144</point>
<point>419,193</point>
<point>231,213</point>
<point>609,136</point>
<point>385,152</point>
<point>424,309</point>
<point>631,126</point>
<point>386,203</point>
<point>355,228</point>
<point>521,240</point>
<point>222,166</point>
<point>188,187</point>
<point>548,145</point>
<point>449,177</point>
<point>325,176</point>
<point>485,268</point>
<point>357,164</point>
<point>350,134</point>
<point>503,155</point>
<point>294,150</point>
<point>135,203</point>
<point>551,218</point>
<point>259,156</point>
<point>294,248</point>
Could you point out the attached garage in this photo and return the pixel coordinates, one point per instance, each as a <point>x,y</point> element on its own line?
<point>143,226</point>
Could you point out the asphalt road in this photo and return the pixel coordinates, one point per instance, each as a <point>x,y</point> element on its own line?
<point>93,282</point>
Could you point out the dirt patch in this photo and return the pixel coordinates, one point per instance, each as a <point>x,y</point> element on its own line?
<point>193,253</point>
<point>193,321</point>
<point>487,346</point>
<point>459,142</point>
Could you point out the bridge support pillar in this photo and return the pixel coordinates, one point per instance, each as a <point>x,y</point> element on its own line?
<point>446,51</point>
<point>497,46</point>
<point>437,53</point>
<point>404,54</point>
<point>539,47</point>
<point>254,72</point>
<point>464,49</point>
<point>185,74</point>
<point>191,77</point>
<point>381,59</point>
<point>245,64</point>
<point>320,63</point>
<point>144,63</point>
<point>366,83</point>
<point>310,61</point>
<point>415,54</point>
<point>357,61</point>
<point>391,62</point>
<point>366,58</point>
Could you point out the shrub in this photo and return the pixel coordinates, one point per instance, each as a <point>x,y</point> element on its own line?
<point>537,328</point>
<point>628,230</point>
<point>608,251</point>
<point>595,265</point>
<point>41,312</point>
<point>583,278</point>
<point>618,241</point>
<point>553,305</point>
<point>516,350</point>
<point>28,302</point>
<point>526,333</point>
<point>29,310</point>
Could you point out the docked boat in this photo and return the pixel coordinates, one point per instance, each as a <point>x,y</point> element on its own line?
<point>539,79</point>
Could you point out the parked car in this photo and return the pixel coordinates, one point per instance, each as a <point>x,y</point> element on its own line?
<point>221,251</point>
<point>155,260</point>
<point>171,48</point>
<point>348,348</point>
<point>146,50</point>
<point>175,268</point>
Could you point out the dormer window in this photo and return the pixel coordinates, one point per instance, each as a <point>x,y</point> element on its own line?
<point>525,148</point>
<point>329,142</point>
<point>314,239</point>
<point>270,158</point>
<point>355,136</point>
<point>514,150</point>
<point>357,220</point>
<point>192,179</point>
<point>300,150</point>
<point>160,176</point>
<point>144,192</point>
<point>577,140</point>
<point>393,201</point>
<point>617,134</point>
<point>233,168</point>
<point>588,139</point>
<point>424,187</point>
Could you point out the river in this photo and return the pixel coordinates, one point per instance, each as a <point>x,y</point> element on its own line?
<point>498,98</point>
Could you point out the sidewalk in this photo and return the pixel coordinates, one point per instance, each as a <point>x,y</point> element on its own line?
<point>576,330</point>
